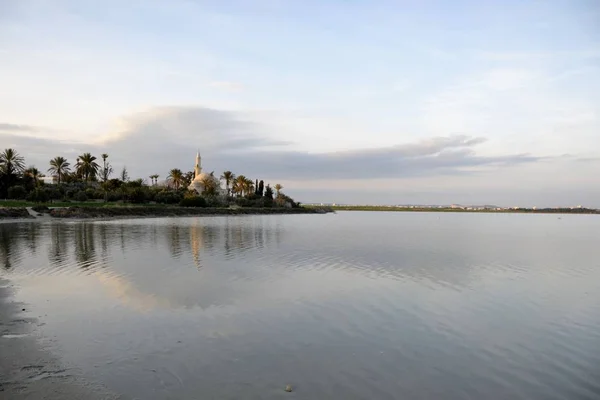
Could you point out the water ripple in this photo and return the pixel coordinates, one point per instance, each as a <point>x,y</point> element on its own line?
<point>348,306</point>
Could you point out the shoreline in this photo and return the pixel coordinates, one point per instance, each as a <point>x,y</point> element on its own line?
<point>27,369</point>
<point>16,214</point>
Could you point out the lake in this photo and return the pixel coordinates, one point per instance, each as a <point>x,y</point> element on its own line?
<point>353,305</point>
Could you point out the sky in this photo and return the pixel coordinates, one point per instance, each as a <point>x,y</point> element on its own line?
<point>360,102</point>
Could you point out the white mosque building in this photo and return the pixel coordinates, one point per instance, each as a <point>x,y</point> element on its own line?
<point>200,177</point>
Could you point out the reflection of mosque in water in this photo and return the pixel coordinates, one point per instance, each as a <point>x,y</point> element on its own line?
<point>129,257</point>
<point>84,240</point>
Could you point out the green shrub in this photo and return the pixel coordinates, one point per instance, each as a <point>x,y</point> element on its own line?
<point>215,201</point>
<point>17,192</point>
<point>90,193</point>
<point>114,196</point>
<point>243,202</point>
<point>38,195</point>
<point>54,193</point>
<point>196,201</point>
<point>137,195</point>
<point>168,197</point>
<point>80,196</point>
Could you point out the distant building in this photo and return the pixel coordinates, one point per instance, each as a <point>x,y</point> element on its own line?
<point>49,180</point>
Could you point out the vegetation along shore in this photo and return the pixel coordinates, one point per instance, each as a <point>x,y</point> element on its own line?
<point>88,189</point>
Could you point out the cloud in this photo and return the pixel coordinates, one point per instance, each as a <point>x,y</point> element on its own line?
<point>520,56</point>
<point>16,128</point>
<point>164,138</point>
<point>225,85</point>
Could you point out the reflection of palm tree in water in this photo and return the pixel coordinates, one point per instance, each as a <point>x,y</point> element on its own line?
<point>174,240</point>
<point>103,240</point>
<point>236,238</point>
<point>85,251</point>
<point>32,236</point>
<point>8,244</point>
<point>57,250</point>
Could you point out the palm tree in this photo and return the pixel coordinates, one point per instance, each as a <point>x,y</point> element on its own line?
<point>239,185</point>
<point>278,188</point>
<point>59,167</point>
<point>249,186</point>
<point>87,166</point>
<point>11,163</point>
<point>176,177</point>
<point>188,177</point>
<point>228,177</point>
<point>210,185</point>
<point>154,179</point>
<point>106,169</point>
<point>34,174</point>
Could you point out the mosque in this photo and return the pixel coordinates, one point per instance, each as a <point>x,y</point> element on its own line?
<point>200,177</point>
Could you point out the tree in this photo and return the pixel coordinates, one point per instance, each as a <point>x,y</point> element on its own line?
<point>11,163</point>
<point>33,173</point>
<point>248,187</point>
<point>176,177</point>
<point>124,174</point>
<point>211,186</point>
<point>256,187</point>
<point>268,196</point>
<point>278,188</point>
<point>188,177</point>
<point>154,179</point>
<point>261,188</point>
<point>107,169</point>
<point>228,177</point>
<point>239,185</point>
<point>86,166</point>
<point>59,167</point>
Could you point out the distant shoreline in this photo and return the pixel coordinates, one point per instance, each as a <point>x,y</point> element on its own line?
<point>466,210</point>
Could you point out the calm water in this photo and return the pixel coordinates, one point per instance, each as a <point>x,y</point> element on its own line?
<point>346,306</point>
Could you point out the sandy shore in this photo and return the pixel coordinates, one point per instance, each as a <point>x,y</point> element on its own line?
<point>27,370</point>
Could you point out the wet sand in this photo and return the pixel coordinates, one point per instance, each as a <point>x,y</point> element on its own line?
<point>27,370</point>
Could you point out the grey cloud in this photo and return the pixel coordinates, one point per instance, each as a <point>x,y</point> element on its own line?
<point>166,138</point>
<point>16,128</point>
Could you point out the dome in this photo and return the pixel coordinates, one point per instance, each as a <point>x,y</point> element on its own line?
<point>198,183</point>
<point>200,177</point>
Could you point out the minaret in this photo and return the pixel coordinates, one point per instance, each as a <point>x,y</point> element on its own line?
<point>198,167</point>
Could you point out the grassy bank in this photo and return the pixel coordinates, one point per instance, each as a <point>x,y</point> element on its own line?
<point>123,211</point>
<point>94,204</point>
<point>464,210</point>
<point>173,211</point>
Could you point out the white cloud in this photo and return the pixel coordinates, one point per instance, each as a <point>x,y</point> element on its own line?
<point>226,85</point>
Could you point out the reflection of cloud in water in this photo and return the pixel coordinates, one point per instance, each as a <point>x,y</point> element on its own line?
<point>224,261</point>
<point>145,278</point>
<point>122,288</point>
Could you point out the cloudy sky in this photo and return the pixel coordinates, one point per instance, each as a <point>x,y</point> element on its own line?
<point>349,101</point>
